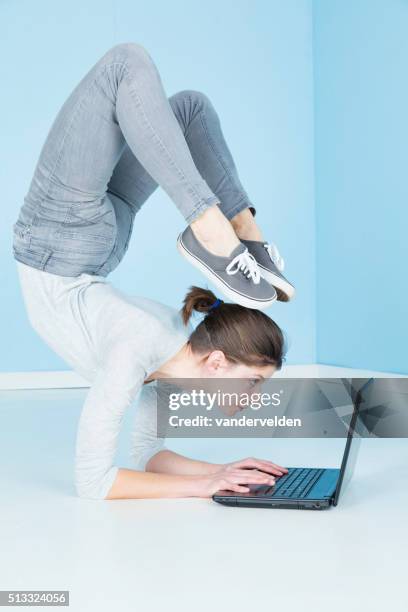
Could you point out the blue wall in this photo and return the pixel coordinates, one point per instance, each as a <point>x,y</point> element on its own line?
<point>254,60</point>
<point>361,135</point>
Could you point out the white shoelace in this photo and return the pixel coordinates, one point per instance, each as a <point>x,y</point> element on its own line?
<point>246,263</point>
<point>275,256</point>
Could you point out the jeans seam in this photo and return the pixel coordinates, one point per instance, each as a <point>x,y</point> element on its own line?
<point>203,206</point>
<point>70,214</point>
<point>75,110</point>
<point>242,205</point>
<point>188,97</point>
<point>74,115</point>
<point>58,158</point>
<point>214,150</point>
<point>192,189</point>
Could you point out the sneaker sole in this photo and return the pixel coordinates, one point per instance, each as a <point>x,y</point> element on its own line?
<point>219,283</point>
<point>284,289</point>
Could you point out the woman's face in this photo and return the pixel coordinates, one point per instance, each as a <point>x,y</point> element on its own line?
<point>213,373</point>
<point>248,378</point>
<point>256,373</point>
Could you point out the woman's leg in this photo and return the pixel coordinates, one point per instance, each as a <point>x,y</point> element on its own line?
<point>121,101</point>
<point>202,131</point>
<point>192,164</point>
<point>153,134</point>
<point>212,232</point>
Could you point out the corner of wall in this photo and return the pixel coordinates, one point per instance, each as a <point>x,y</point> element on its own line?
<point>314,179</point>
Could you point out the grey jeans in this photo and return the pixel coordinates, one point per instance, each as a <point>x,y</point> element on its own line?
<point>115,139</point>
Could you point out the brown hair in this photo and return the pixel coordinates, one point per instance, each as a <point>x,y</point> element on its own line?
<point>244,335</point>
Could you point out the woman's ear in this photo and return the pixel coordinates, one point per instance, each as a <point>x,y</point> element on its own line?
<point>216,363</point>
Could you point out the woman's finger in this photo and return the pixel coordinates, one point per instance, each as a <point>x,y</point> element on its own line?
<point>266,466</point>
<point>273,465</point>
<point>248,476</point>
<point>253,473</point>
<point>272,469</point>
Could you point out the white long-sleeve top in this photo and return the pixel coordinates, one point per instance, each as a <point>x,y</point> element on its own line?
<point>116,341</point>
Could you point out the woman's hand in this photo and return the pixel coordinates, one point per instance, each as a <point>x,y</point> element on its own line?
<point>235,477</point>
<point>257,464</point>
<point>231,478</point>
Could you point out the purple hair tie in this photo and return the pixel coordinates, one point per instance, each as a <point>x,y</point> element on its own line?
<point>216,304</point>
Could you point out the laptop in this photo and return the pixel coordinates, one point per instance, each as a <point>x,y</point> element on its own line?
<point>304,488</point>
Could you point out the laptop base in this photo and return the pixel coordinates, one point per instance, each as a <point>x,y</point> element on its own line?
<point>256,502</point>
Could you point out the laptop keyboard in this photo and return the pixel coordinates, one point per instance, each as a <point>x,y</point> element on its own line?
<point>296,483</point>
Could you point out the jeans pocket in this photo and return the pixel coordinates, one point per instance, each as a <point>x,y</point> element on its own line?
<point>93,222</point>
<point>21,234</point>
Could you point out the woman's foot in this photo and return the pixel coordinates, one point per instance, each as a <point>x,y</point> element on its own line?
<point>236,276</point>
<point>271,265</point>
<point>270,262</point>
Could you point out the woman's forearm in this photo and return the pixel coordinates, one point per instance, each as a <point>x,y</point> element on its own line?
<point>131,484</point>
<point>168,462</point>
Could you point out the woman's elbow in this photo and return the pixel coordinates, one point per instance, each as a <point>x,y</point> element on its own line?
<point>85,491</point>
<point>95,488</point>
<point>141,455</point>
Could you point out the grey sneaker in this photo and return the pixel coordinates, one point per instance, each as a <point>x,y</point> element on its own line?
<point>237,276</point>
<point>271,265</point>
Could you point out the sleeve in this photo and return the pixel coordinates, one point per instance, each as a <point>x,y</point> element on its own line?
<point>144,440</point>
<point>113,390</point>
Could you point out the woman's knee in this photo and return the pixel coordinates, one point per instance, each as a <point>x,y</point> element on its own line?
<point>130,52</point>
<point>189,104</point>
<point>192,96</point>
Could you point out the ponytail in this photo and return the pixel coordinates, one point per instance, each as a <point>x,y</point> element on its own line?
<point>199,300</point>
<point>244,335</point>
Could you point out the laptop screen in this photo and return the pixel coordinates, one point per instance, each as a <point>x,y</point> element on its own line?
<point>358,388</point>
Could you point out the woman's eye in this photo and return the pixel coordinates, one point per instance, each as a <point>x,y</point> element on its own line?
<point>253,382</point>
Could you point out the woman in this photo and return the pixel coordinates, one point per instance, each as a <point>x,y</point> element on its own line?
<point>114,140</point>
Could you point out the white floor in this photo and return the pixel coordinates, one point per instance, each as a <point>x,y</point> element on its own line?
<point>194,554</point>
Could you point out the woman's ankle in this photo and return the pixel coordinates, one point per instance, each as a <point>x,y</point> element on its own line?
<point>245,226</point>
<point>215,232</point>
